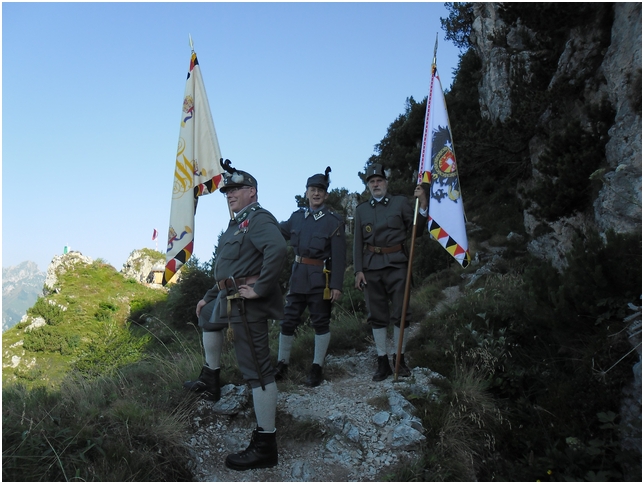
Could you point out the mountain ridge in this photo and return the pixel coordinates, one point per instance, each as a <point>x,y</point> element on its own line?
<point>22,284</point>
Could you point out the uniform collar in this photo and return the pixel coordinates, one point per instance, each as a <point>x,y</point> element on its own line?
<point>384,200</point>
<point>246,211</point>
<point>317,214</point>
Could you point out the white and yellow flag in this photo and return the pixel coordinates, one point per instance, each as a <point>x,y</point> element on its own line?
<point>197,170</point>
<point>446,218</point>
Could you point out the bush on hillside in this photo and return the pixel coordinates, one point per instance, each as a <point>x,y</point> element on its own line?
<point>196,280</point>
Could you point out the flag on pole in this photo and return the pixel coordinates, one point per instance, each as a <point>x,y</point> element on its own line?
<point>446,217</point>
<point>155,234</point>
<point>197,169</point>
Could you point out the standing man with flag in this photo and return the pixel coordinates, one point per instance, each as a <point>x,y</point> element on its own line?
<point>380,260</point>
<point>247,268</point>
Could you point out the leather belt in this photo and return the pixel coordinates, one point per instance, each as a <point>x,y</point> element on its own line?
<point>240,281</point>
<point>384,250</point>
<point>306,260</point>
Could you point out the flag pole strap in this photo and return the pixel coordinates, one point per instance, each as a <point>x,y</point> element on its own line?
<point>407,290</point>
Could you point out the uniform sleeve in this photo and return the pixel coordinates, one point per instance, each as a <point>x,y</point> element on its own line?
<point>408,216</point>
<point>267,238</point>
<point>338,257</point>
<point>211,293</point>
<point>357,243</point>
<point>285,228</point>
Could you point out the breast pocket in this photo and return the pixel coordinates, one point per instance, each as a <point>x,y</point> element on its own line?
<point>295,238</point>
<point>231,249</point>
<point>318,244</point>
<point>395,222</point>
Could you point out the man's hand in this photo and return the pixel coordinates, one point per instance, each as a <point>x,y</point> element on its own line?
<point>336,295</point>
<point>419,193</point>
<point>200,305</point>
<point>247,292</point>
<point>360,280</point>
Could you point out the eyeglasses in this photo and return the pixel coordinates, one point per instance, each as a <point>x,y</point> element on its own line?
<point>232,191</point>
<point>314,190</point>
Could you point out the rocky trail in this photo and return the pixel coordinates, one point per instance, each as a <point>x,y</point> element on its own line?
<point>349,428</point>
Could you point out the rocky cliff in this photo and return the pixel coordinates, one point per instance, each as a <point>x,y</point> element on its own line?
<point>601,62</point>
<point>599,67</point>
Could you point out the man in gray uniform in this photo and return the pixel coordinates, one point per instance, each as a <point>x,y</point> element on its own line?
<point>318,240</point>
<point>380,261</point>
<point>249,260</point>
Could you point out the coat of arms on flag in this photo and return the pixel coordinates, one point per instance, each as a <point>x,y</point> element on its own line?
<point>446,217</point>
<point>197,169</point>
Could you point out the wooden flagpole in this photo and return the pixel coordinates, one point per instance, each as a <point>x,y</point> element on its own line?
<point>411,259</point>
<point>407,290</point>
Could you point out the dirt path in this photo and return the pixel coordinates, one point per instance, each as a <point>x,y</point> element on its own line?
<point>349,444</point>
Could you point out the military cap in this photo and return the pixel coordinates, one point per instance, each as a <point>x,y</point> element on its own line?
<point>238,179</point>
<point>320,180</point>
<point>375,169</point>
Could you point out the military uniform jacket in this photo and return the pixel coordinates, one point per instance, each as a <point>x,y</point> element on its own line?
<point>251,246</point>
<point>316,235</point>
<point>382,224</point>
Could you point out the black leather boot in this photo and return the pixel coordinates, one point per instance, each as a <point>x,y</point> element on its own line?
<point>402,369</point>
<point>281,370</point>
<point>384,370</point>
<point>315,376</point>
<point>260,453</point>
<point>207,385</point>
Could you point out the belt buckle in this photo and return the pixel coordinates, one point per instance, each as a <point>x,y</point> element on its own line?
<point>377,250</point>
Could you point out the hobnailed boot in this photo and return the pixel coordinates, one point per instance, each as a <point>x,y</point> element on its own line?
<point>384,370</point>
<point>315,376</point>
<point>281,370</point>
<point>403,370</point>
<point>260,453</point>
<point>207,385</point>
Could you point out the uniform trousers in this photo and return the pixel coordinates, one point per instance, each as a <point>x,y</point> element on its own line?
<point>384,285</point>
<point>319,310</point>
<point>259,339</point>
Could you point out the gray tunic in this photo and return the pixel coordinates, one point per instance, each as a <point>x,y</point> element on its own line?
<point>251,246</point>
<point>382,224</point>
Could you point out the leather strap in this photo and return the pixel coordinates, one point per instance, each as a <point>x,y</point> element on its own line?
<point>306,260</point>
<point>384,250</point>
<point>240,281</point>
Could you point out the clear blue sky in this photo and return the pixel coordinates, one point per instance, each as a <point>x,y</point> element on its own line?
<point>92,96</point>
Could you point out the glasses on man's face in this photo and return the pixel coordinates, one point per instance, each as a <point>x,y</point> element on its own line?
<point>233,191</point>
<point>316,190</point>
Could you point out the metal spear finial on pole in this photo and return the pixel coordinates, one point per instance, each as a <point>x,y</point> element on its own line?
<point>435,50</point>
<point>192,47</point>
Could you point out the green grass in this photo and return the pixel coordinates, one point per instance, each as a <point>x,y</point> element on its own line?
<point>91,309</point>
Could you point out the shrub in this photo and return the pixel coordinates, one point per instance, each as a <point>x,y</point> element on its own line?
<point>51,339</point>
<point>196,280</point>
<point>113,348</point>
<point>47,309</point>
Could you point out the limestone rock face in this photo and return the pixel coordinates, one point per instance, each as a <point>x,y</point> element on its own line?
<point>494,90</point>
<point>619,204</point>
<point>59,265</point>
<point>508,56</point>
<point>140,265</point>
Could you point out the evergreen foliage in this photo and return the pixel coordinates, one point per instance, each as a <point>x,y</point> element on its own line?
<point>458,24</point>
<point>196,280</point>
